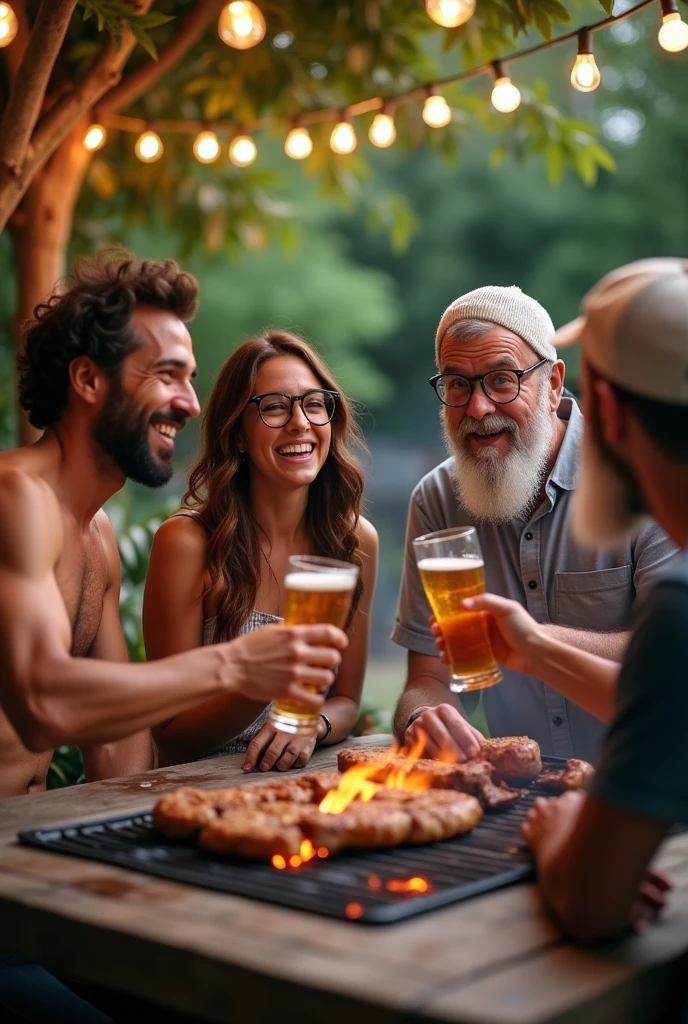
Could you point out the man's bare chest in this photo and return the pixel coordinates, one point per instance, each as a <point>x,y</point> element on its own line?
<point>82,577</point>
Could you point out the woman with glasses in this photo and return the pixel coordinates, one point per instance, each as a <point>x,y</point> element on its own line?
<point>277,476</point>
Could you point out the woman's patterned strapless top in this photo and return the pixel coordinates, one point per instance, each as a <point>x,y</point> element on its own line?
<point>256,620</point>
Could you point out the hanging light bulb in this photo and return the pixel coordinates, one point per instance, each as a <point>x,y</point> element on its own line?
<point>206,148</point>
<point>242,150</point>
<point>673,35</point>
<point>436,112</point>
<point>95,138</point>
<point>505,96</point>
<point>298,144</point>
<point>343,138</point>
<point>450,13</point>
<point>9,26</point>
<point>382,131</point>
<point>585,74</point>
<point>241,25</point>
<point>149,147</point>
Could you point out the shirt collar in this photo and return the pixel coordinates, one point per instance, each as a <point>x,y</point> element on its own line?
<point>565,470</point>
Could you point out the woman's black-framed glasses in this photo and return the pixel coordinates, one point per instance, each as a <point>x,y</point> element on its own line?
<point>500,386</point>
<point>276,409</point>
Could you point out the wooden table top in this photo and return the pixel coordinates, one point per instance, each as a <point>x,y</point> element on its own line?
<point>496,959</point>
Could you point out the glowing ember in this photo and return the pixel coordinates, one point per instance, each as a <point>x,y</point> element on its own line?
<point>279,862</point>
<point>323,852</point>
<point>353,910</point>
<point>415,884</point>
<point>374,882</point>
<point>295,861</point>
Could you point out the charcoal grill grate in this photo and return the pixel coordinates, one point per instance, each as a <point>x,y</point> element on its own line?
<point>491,856</point>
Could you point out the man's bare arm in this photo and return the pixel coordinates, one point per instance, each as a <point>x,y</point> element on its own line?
<point>52,698</point>
<point>611,646</point>
<point>135,753</point>
<point>591,860</point>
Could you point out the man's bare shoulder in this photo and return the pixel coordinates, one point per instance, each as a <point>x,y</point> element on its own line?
<point>106,532</point>
<point>29,510</point>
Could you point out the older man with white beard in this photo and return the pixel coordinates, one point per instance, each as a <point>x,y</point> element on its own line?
<point>514,443</point>
<point>593,850</point>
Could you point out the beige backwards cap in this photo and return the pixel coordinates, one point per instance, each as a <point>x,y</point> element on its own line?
<point>634,329</point>
<point>508,307</point>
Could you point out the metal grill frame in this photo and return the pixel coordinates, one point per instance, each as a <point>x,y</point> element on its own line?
<point>493,855</point>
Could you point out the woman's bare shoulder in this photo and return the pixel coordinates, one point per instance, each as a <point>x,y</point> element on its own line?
<point>367,537</point>
<point>183,535</point>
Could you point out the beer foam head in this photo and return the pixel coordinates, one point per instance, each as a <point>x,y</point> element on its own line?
<point>325,582</point>
<point>449,564</point>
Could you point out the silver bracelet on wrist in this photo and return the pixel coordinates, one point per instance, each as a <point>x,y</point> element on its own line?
<point>416,714</point>
<point>328,727</point>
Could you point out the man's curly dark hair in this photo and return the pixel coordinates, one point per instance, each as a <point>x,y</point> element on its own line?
<point>92,317</point>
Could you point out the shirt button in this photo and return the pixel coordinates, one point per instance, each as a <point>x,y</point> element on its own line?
<point>532,584</point>
<point>529,535</point>
<point>557,720</point>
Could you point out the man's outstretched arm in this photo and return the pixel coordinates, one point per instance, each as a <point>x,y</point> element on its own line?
<point>52,698</point>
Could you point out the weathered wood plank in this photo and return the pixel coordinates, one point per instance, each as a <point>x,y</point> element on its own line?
<point>632,980</point>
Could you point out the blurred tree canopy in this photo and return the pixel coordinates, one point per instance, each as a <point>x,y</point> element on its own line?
<point>77,60</point>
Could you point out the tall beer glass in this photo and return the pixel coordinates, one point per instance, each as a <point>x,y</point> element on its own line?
<point>451,568</point>
<point>316,590</point>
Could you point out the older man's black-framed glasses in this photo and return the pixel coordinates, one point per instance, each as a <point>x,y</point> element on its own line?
<point>276,409</point>
<point>500,386</point>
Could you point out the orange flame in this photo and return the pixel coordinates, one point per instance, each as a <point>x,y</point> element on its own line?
<point>356,784</point>
<point>415,884</point>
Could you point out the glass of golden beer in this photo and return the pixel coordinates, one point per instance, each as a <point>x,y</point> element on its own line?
<point>316,590</point>
<point>451,568</point>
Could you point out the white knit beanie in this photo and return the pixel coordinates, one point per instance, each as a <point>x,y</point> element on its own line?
<point>508,307</point>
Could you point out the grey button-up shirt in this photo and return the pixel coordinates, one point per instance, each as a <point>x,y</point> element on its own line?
<point>538,563</point>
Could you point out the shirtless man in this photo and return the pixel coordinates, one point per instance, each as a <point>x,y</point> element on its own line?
<point>108,375</point>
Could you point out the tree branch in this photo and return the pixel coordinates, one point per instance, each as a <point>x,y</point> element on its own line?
<point>189,31</point>
<point>62,117</point>
<point>28,89</point>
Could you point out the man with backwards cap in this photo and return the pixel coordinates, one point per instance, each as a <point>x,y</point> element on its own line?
<point>514,445</point>
<point>593,850</point>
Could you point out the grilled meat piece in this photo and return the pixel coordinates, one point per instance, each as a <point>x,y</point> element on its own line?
<point>257,835</point>
<point>515,758</point>
<point>436,814</point>
<point>575,775</point>
<point>472,777</point>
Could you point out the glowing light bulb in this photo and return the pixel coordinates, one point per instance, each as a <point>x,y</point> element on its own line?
<point>673,35</point>
<point>95,138</point>
<point>505,96</point>
<point>9,26</point>
<point>298,144</point>
<point>450,13</point>
<point>206,148</point>
<point>242,151</point>
<point>585,74</point>
<point>343,138</point>
<point>149,147</point>
<point>382,131</point>
<point>241,25</point>
<point>436,112</point>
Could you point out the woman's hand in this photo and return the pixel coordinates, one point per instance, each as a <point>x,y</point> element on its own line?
<point>514,634</point>
<point>271,748</point>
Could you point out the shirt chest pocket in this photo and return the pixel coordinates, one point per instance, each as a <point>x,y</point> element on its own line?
<point>599,600</point>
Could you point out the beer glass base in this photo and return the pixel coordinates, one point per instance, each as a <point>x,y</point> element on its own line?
<point>463,684</point>
<point>294,726</point>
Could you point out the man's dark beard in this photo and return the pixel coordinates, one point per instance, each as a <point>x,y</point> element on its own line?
<point>122,435</point>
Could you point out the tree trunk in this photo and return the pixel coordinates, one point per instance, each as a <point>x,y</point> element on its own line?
<point>41,230</point>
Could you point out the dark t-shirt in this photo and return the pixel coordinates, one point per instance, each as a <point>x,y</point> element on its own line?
<point>643,766</point>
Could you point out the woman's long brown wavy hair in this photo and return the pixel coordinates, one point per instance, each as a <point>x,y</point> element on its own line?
<point>218,493</point>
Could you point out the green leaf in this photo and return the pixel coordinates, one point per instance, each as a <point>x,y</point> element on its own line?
<point>144,40</point>
<point>555,163</point>
<point>543,23</point>
<point>555,10</point>
<point>607,6</point>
